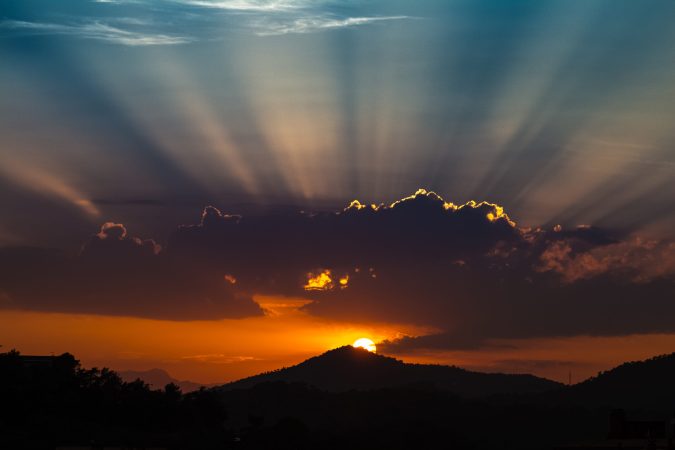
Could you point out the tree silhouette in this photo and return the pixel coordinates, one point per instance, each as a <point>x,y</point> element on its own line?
<point>47,401</point>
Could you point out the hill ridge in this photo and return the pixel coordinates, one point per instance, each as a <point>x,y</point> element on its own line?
<point>639,383</point>
<point>346,368</point>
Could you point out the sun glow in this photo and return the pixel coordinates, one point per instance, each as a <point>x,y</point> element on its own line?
<point>365,343</point>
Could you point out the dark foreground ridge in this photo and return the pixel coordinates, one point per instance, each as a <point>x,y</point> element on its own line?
<point>346,398</point>
<point>348,368</point>
<point>51,402</point>
<point>637,384</point>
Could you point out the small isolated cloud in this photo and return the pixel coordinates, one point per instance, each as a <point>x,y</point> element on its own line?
<point>96,30</point>
<point>112,230</point>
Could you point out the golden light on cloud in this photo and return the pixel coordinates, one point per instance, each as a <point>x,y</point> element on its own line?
<point>494,215</point>
<point>319,282</point>
<point>323,281</point>
<point>357,205</point>
<point>365,343</point>
<point>497,212</point>
<point>230,278</point>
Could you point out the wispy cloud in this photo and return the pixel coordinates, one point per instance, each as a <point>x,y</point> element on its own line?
<point>318,23</point>
<point>219,358</point>
<point>250,5</point>
<point>97,30</point>
<point>275,17</point>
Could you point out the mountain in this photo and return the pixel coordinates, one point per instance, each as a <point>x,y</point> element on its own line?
<point>347,368</point>
<point>158,378</point>
<point>637,384</point>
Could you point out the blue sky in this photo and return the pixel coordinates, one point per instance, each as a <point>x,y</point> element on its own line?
<point>144,111</point>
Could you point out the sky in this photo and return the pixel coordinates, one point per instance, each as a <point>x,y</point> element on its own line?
<point>178,182</point>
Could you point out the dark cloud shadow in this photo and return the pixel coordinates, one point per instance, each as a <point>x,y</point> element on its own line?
<point>466,270</point>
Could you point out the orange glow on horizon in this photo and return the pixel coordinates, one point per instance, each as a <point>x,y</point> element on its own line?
<point>224,350</point>
<point>207,351</point>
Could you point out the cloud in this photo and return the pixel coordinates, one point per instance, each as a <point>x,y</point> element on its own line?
<point>313,24</point>
<point>555,282</point>
<point>249,5</point>
<point>116,274</point>
<point>279,17</point>
<point>141,23</point>
<point>96,30</point>
<point>275,253</point>
<point>111,230</point>
<point>639,259</point>
<point>465,270</point>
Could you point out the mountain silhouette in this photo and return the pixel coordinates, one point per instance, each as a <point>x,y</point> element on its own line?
<point>158,378</point>
<point>344,398</point>
<point>637,384</point>
<point>347,368</point>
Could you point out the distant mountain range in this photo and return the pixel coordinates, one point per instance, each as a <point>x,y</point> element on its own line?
<point>158,378</point>
<point>347,368</point>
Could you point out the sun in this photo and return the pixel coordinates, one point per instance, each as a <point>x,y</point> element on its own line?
<point>365,343</point>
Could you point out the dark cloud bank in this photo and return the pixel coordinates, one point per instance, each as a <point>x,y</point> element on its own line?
<point>467,270</point>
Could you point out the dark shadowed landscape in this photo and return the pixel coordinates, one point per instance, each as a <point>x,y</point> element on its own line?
<point>345,398</point>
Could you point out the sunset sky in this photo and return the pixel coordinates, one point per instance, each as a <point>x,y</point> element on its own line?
<point>178,182</point>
